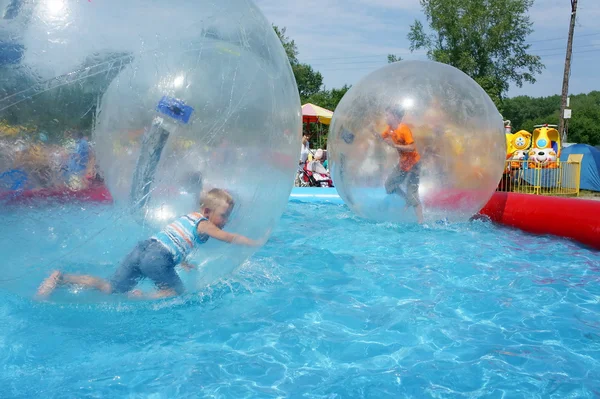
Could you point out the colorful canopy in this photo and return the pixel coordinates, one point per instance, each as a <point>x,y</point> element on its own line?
<point>314,113</point>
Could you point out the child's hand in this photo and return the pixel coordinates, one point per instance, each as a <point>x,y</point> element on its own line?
<point>261,241</point>
<point>389,141</point>
<point>188,267</point>
<point>265,237</point>
<point>253,243</point>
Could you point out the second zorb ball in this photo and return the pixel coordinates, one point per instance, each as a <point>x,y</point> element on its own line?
<point>416,141</point>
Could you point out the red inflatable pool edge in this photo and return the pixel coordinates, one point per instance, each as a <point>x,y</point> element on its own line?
<point>578,219</point>
<point>95,193</point>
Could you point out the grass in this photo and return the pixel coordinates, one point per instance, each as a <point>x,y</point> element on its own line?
<point>588,193</point>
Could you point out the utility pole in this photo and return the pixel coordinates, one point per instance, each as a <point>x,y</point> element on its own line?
<point>565,85</point>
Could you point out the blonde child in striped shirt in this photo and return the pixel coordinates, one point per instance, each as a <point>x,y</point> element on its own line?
<point>157,257</point>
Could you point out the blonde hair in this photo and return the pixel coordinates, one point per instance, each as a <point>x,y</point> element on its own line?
<point>215,198</point>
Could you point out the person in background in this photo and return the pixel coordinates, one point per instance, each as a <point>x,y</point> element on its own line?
<point>316,165</point>
<point>305,151</point>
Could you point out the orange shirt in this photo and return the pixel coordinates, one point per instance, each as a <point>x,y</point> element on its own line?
<point>402,135</point>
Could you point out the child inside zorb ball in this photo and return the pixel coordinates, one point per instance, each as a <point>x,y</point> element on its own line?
<point>407,172</point>
<point>157,257</point>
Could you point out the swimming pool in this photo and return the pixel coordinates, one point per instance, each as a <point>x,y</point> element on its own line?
<point>332,307</point>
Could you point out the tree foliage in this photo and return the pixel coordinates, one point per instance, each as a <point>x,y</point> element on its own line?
<point>288,44</point>
<point>584,126</point>
<point>310,84</point>
<point>483,38</point>
<point>328,99</point>
<point>65,102</point>
<point>308,80</point>
<point>391,58</point>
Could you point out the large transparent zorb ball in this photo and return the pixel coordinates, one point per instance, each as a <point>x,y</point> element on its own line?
<point>416,134</point>
<point>173,97</point>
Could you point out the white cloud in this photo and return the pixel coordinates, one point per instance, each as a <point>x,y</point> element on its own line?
<point>344,39</point>
<point>554,16</point>
<point>347,39</point>
<point>393,4</point>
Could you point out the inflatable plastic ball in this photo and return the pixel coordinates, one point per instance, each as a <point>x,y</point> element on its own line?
<point>416,141</point>
<point>144,104</point>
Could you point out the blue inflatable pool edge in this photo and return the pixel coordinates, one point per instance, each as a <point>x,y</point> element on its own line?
<point>316,195</point>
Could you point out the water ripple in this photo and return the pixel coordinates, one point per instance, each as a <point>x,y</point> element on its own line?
<point>333,307</point>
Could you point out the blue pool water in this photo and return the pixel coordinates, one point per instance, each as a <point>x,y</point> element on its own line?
<point>332,307</point>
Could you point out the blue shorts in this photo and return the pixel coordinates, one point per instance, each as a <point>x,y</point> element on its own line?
<point>149,259</point>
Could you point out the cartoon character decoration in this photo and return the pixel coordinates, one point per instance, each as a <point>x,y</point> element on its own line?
<point>545,148</point>
<point>7,129</point>
<point>546,136</point>
<point>517,145</point>
<point>507,127</point>
<point>518,159</point>
<point>542,158</point>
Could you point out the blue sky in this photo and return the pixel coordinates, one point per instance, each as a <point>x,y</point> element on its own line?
<point>347,39</point>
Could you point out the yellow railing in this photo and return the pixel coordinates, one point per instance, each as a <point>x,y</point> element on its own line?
<point>562,178</point>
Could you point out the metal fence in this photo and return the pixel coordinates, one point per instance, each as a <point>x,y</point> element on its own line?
<point>560,178</point>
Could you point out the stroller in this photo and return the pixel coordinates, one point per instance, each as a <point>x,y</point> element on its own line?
<point>308,178</point>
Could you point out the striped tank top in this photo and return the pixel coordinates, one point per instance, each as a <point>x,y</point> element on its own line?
<point>180,236</point>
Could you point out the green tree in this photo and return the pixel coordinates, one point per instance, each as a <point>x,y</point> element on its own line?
<point>329,99</point>
<point>584,126</point>
<point>64,102</point>
<point>525,112</point>
<point>308,80</point>
<point>393,58</point>
<point>289,45</point>
<point>483,38</point>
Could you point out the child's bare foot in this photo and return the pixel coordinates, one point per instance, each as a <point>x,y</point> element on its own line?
<point>49,285</point>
